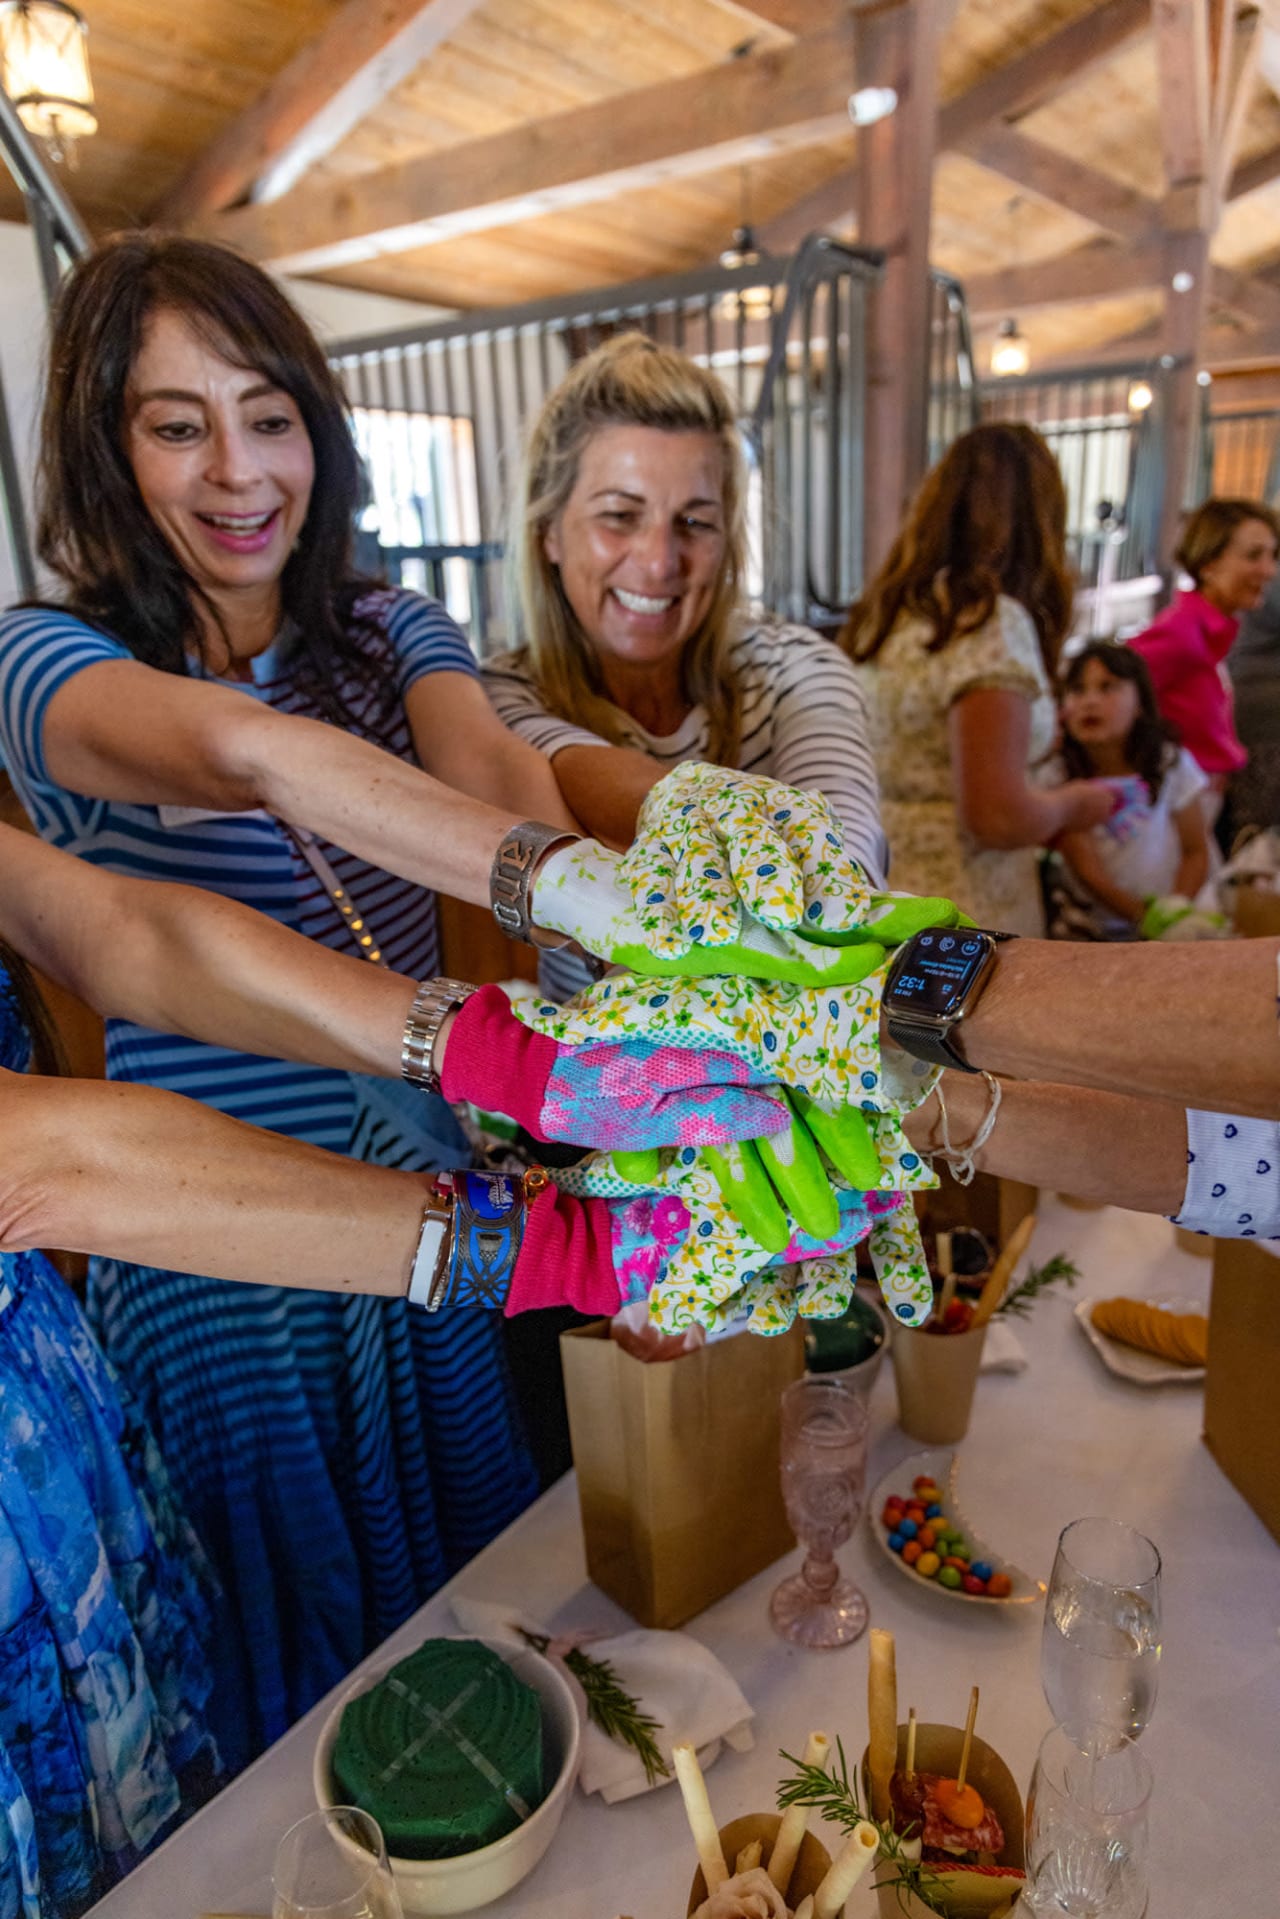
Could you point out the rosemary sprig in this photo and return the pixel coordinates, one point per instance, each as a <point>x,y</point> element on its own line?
<point>836,1797</point>
<point>1020,1299</point>
<point>609,1705</point>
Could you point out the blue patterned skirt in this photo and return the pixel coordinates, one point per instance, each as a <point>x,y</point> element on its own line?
<point>105,1615</point>
<point>340,1456</point>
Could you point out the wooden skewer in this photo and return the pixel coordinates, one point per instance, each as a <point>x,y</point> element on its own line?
<point>706,1837</point>
<point>968,1741</point>
<point>998,1278</point>
<point>795,1820</point>
<point>910,1767</point>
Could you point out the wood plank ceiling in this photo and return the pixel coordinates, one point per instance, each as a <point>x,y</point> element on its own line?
<point>428,116</point>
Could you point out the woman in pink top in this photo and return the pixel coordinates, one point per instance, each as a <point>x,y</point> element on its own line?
<point>1229,549</point>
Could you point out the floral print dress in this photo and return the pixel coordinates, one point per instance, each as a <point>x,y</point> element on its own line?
<point>910,693</point>
<point>105,1605</point>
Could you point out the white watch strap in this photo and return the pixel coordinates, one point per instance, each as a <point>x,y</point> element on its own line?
<point>426,1259</point>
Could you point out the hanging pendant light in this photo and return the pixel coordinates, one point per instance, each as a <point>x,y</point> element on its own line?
<point>44,67</point>
<point>754,302</point>
<point>1010,355</point>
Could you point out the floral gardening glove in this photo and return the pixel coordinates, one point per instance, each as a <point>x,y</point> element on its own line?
<point>821,1288</point>
<point>824,1041</point>
<point>711,841</point>
<point>794,1181</point>
<point>675,1239</point>
<point>620,1094</point>
<point>580,891</point>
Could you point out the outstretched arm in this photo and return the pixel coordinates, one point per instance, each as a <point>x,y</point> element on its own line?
<point>1196,1024</point>
<point>1103,1146</point>
<point>185,961</point>
<point>142,1175</point>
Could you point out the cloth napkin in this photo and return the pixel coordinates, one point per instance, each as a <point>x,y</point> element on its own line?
<point>676,1680</point>
<point>1002,1350</point>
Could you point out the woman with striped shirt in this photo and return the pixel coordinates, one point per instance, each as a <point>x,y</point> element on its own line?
<point>637,651</point>
<point>220,700</point>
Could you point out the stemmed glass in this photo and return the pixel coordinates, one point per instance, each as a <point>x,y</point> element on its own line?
<point>824,1465</point>
<point>1100,1654</point>
<point>1087,1831</point>
<point>333,1865</point>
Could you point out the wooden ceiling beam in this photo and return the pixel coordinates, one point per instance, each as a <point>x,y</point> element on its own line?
<point>796,17</point>
<point>1254,300</point>
<point>1095,272</point>
<point>1063,59</point>
<point>1185,81</point>
<point>1239,51</point>
<point>788,96</point>
<point>367,49</point>
<point>1255,173</point>
<point>984,108</point>
<point>1054,176</point>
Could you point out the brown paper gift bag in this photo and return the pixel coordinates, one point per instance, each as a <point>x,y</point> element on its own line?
<point>677,1464</point>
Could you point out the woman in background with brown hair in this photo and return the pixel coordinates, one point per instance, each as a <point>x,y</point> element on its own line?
<point>957,637</point>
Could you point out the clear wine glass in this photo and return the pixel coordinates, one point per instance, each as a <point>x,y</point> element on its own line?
<point>1100,1654</point>
<point>824,1467</point>
<point>1087,1831</point>
<point>333,1865</point>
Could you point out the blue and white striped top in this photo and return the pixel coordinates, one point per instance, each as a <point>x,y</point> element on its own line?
<point>244,856</point>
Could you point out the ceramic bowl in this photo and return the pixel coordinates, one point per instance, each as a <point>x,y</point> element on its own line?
<point>475,1878</point>
<point>942,1465</point>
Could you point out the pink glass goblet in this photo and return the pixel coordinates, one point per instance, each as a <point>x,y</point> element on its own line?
<point>824,1466</point>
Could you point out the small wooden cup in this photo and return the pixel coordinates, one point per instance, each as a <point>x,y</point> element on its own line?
<point>935,1374</point>
<point>938,1749</point>
<point>810,1869</point>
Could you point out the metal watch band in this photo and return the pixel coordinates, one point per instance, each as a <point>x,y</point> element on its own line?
<point>511,876</point>
<point>924,1042</point>
<point>432,1001</point>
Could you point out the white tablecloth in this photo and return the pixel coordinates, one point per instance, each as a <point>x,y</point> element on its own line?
<point>1062,1439</point>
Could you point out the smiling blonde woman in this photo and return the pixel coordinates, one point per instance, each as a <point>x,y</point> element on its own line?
<point>637,648</point>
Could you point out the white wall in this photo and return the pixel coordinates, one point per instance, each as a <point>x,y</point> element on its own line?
<point>345,313</point>
<point>334,312</point>
<point>22,321</point>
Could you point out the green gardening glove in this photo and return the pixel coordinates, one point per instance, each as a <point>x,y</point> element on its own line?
<point>790,1181</point>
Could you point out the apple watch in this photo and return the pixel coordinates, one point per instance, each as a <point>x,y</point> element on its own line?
<point>935,981</point>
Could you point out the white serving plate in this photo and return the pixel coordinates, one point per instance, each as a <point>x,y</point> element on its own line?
<point>1127,1362</point>
<point>941,1464</point>
<point>440,1886</point>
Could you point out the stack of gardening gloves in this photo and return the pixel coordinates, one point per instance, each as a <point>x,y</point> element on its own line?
<point>740,931</point>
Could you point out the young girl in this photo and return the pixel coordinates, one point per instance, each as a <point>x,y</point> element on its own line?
<point>1155,842</point>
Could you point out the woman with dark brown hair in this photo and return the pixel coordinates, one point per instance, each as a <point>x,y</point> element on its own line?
<point>339,1456</point>
<point>957,637</point>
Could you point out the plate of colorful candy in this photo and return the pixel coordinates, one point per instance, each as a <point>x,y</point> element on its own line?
<point>917,1522</point>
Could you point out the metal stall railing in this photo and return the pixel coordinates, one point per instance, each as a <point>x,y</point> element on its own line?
<point>441,412</point>
<point>59,237</point>
<point>953,382</point>
<point>807,434</point>
<point>1106,427</point>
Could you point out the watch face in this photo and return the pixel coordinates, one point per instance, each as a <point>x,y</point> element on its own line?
<point>943,966</point>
